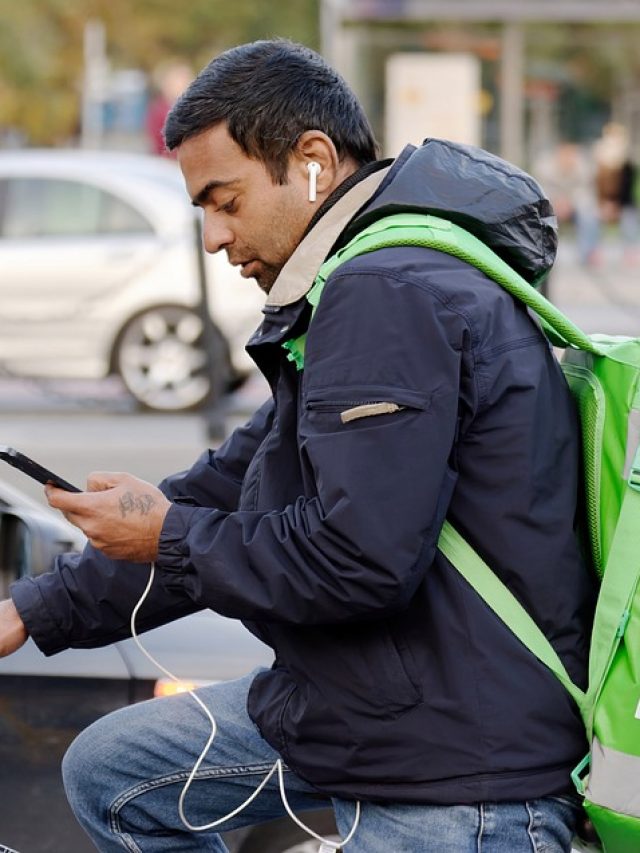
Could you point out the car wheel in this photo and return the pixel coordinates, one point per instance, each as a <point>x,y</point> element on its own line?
<point>161,355</point>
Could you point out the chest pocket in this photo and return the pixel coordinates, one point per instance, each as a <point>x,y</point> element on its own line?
<point>364,407</point>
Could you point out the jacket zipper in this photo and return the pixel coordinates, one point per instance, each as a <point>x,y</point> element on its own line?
<point>338,405</point>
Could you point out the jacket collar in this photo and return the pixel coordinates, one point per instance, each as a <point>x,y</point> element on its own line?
<point>298,274</point>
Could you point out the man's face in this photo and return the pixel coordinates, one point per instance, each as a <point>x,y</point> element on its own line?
<point>258,223</point>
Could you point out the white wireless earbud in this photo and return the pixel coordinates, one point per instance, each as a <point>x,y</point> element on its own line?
<point>314,170</point>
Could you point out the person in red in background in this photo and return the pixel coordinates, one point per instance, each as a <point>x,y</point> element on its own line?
<point>170,80</point>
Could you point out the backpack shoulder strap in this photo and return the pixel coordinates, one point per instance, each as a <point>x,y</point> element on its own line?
<point>417,229</point>
<point>506,606</point>
<point>430,231</point>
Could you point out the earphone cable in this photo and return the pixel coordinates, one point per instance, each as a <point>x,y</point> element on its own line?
<point>277,767</point>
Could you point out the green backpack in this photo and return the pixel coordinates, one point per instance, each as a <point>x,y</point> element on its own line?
<point>603,373</point>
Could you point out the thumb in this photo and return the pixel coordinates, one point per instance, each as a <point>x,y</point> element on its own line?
<point>100,481</point>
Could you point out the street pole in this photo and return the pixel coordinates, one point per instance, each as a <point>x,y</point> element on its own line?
<point>94,83</point>
<point>337,44</point>
<point>213,345</point>
<point>512,93</point>
<point>330,25</point>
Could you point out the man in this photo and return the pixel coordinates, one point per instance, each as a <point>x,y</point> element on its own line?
<point>426,392</point>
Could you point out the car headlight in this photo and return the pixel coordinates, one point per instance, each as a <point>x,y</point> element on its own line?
<point>169,687</point>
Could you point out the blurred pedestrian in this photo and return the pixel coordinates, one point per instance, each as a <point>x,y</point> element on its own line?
<point>629,217</point>
<point>568,175</point>
<point>170,79</point>
<point>611,151</point>
<point>616,185</point>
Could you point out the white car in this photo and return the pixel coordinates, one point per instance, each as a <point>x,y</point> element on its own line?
<point>99,274</point>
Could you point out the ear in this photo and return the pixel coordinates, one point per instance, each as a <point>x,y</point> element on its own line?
<point>314,146</point>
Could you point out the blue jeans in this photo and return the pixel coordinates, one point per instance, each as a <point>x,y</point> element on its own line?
<point>123,776</point>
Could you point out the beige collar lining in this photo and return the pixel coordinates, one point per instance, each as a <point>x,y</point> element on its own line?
<point>297,275</point>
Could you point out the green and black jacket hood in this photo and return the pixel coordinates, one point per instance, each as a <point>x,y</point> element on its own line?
<point>493,199</point>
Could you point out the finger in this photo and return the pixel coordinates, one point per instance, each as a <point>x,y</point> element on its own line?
<point>63,500</point>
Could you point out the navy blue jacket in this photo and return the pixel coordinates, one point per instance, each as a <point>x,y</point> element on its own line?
<point>392,680</point>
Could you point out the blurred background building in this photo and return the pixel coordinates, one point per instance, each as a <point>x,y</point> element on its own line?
<point>552,85</point>
<point>524,75</point>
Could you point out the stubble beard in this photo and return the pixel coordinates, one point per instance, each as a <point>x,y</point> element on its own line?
<point>267,276</point>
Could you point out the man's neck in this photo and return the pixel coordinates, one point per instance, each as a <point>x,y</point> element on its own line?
<point>349,181</point>
<point>297,275</point>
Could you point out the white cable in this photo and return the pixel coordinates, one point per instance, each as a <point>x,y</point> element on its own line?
<point>333,844</point>
<point>278,766</point>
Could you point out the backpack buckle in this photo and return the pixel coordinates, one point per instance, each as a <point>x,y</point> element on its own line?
<point>634,471</point>
<point>579,772</point>
<point>634,476</point>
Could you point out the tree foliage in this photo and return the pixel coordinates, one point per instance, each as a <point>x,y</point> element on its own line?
<point>41,47</point>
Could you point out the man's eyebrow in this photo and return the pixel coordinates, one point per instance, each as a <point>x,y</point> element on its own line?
<point>202,196</point>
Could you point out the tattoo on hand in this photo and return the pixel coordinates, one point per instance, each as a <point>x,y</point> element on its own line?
<point>130,503</point>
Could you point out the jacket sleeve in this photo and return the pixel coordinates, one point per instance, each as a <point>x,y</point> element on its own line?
<point>87,600</point>
<point>215,480</point>
<point>357,544</point>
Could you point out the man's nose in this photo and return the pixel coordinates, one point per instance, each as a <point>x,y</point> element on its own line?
<point>216,235</point>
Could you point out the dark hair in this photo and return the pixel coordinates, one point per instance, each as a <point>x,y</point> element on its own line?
<point>269,93</point>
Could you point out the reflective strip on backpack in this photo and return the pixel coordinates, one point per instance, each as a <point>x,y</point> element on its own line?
<point>614,779</point>
<point>633,441</point>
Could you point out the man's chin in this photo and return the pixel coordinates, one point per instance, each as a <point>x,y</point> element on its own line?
<point>265,278</point>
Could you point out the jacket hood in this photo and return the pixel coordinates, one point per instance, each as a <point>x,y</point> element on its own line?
<point>493,199</point>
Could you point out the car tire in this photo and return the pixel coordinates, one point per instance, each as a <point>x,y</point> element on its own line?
<point>284,836</point>
<point>169,361</point>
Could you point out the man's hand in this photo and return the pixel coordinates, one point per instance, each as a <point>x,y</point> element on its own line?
<point>119,514</point>
<point>13,634</point>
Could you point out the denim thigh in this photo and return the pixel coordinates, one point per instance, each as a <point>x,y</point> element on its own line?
<point>537,826</point>
<point>124,774</point>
